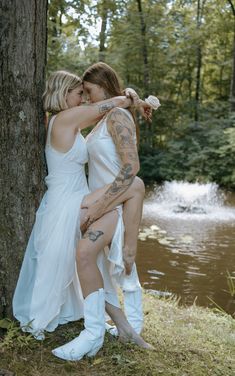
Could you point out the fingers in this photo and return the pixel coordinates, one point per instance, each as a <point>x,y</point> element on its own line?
<point>128,260</point>
<point>146,114</point>
<point>127,93</point>
<point>84,226</point>
<point>128,267</point>
<point>85,223</point>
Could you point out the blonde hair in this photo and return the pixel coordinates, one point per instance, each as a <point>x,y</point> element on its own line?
<point>57,87</point>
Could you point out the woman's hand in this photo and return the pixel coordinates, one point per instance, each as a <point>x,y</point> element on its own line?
<point>131,93</point>
<point>94,211</point>
<point>144,108</point>
<point>128,259</point>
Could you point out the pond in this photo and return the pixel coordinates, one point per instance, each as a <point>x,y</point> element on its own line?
<point>187,243</point>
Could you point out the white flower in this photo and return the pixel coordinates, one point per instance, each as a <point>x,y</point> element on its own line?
<point>153,102</point>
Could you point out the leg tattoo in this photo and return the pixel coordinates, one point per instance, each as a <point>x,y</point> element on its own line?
<point>92,235</point>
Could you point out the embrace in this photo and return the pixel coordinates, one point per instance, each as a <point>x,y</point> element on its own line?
<point>84,240</point>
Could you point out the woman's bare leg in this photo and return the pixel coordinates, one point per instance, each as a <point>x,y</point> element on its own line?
<point>98,236</point>
<point>132,199</point>
<point>132,213</point>
<point>125,331</point>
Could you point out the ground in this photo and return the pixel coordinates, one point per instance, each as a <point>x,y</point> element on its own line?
<point>189,341</point>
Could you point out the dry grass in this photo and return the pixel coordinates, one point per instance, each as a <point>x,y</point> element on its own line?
<point>189,341</point>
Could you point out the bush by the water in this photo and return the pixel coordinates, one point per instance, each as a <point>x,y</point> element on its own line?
<point>202,151</point>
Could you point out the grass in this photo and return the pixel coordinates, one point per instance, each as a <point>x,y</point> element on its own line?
<point>189,341</point>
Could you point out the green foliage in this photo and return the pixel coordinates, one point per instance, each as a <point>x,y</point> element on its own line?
<point>174,146</point>
<point>196,152</point>
<point>13,336</point>
<point>231,284</point>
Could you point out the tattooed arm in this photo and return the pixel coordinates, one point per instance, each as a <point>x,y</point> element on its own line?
<point>83,116</point>
<point>122,130</point>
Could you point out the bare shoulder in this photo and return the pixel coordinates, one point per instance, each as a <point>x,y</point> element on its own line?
<point>121,127</point>
<point>64,121</point>
<point>120,116</point>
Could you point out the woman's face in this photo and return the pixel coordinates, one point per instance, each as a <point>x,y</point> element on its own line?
<point>95,93</point>
<point>74,97</point>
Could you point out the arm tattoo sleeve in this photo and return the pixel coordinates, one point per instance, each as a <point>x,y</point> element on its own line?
<point>122,131</point>
<point>105,107</point>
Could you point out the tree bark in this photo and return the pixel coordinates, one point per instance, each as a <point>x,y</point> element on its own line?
<point>199,63</point>
<point>22,72</point>
<point>232,86</point>
<point>144,47</point>
<point>104,17</point>
<point>148,134</point>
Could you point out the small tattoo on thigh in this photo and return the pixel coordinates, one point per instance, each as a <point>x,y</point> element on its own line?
<point>92,235</point>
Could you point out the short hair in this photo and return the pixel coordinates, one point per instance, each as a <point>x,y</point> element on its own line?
<point>57,87</point>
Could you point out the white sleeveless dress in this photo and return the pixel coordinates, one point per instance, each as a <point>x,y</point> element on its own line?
<point>48,291</point>
<point>104,165</point>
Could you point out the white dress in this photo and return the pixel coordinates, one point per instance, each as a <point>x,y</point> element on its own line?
<point>48,291</point>
<point>104,165</point>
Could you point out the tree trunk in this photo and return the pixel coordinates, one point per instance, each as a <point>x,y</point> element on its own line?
<point>199,64</point>
<point>198,83</point>
<point>148,133</point>
<point>144,48</point>
<point>232,90</point>
<point>104,17</point>
<point>232,87</point>
<point>22,71</point>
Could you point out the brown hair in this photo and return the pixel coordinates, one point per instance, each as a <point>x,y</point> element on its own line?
<point>103,75</point>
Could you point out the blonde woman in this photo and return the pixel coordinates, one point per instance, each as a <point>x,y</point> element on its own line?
<point>48,291</point>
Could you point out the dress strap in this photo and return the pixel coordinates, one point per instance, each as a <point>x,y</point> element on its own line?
<point>51,121</point>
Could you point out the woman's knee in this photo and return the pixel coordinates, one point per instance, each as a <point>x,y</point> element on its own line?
<point>139,186</point>
<point>83,257</point>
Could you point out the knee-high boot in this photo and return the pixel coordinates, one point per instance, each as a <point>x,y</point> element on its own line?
<point>91,338</point>
<point>133,310</point>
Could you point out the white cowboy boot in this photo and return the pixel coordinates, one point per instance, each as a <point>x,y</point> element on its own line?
<point>133,310</point>
<point>91,338</point>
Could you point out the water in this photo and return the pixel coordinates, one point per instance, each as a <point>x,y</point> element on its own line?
<point>187,243</point>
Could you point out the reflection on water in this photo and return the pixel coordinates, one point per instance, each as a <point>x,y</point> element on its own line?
<point>187,243</point>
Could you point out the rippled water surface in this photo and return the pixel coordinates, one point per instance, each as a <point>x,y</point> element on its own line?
<point>187,243</point>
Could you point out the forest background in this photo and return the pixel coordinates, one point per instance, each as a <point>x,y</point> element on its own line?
<point>183,51</point>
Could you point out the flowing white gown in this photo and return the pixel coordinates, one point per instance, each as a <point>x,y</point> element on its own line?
<point>104,165</point>
<point>48,291</point>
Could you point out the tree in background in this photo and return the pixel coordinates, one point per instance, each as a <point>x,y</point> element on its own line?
<point>23,59</point>
<point>232,92</point>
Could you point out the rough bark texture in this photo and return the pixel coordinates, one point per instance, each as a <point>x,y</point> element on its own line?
<point>23,59</point>
<point>232,87</point>
<point>149,131</point>
<point>144,47</point>
<point>199,64</point>
<point>104,17</point>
